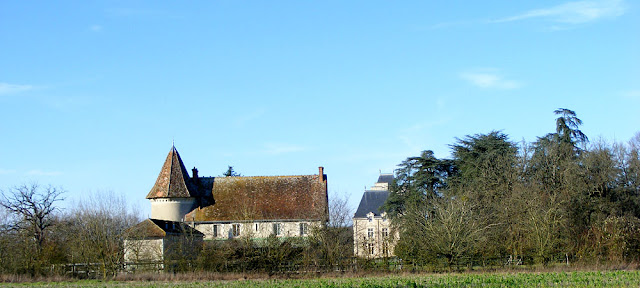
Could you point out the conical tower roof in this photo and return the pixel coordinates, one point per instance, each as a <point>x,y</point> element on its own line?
<point>173,181</point>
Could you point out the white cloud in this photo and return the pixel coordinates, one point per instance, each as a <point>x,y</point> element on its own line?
<point>281,148</point>
<point>489,80</point>
<point>574,12</point>
<point>6,88</point>
<point>38,172</point>
<point>95,28</point>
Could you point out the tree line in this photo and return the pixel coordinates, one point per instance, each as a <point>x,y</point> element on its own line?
<point>560,198</point>
<point>38,238</point>
<point>86,240</point>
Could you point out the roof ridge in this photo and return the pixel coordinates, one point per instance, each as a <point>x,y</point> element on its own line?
<point>267,176</point>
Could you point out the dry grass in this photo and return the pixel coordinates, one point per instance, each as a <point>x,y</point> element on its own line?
<point>9,278</point>
<point>233,276</point>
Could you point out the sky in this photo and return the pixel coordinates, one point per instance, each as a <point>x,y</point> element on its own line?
<point>94,93</point>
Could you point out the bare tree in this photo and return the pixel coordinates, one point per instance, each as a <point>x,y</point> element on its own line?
<point>33,208</point>
<point>339,211</point>
<point>99,223</point>
<point>454,229</point>
<point>334,242</point>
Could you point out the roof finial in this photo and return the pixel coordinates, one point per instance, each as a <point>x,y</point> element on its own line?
<point>173,142</point>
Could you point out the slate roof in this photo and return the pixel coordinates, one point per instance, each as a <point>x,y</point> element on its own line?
<point>173,180</point>
<point>385,178</point>
<point>266,198</point>
<point>371,201</point>
<point>155,228</point>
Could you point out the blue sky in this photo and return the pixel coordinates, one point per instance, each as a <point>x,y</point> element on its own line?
<point>92,94</point>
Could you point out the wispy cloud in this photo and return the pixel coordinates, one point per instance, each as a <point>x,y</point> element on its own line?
<point>282,148</point>
<point>95,28</point>
<point>451,24</point>
<point>489,79</point>
<point>631,94</point>
<point>38,172</point>
<point>7,171</point>
<point>7,88</point>
<point>245,118</point>
<point>415,136</point>
<point>141,13</point>
<point>577,12</point>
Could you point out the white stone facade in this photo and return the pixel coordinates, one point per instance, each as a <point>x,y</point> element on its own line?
<point>255,229</point>
<point>373,237</point>
<point>372,233</point>
<point>143,250</point>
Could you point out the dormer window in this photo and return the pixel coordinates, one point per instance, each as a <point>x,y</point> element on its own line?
<point>370,216</point>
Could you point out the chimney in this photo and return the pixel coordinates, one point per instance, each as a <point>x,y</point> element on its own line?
<point>194,173</point>
<point>321,173</point>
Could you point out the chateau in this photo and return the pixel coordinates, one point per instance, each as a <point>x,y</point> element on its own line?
<point>218,208</point>
<point>372,235</point>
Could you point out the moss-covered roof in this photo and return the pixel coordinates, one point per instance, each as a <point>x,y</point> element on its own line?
<point>266,198</point>
<point>156,228</point>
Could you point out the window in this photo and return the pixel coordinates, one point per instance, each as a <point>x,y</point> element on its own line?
<point>370,232</point>
<point>385,232</point>
<point>256,227</point>
<point>277,229</point>
<point>385,248</point>
<point>370,248</point>
<point>235,230</point>
<point>304,229</point>
<point>215,230</point>
<point>370,219</point>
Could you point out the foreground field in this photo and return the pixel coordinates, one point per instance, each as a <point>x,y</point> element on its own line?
<point>547,279</point>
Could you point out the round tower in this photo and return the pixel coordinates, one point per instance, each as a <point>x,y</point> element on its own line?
<point>174,193</point>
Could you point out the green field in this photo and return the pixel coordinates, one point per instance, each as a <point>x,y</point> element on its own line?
<point>546,279</point>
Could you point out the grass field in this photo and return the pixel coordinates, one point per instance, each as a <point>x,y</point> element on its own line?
<point>545,279</point>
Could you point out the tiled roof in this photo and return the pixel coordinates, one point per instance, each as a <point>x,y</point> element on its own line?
<point>371,201</point>
<point>266,197</point>
<point>151,228</point>
<point>173,180</point>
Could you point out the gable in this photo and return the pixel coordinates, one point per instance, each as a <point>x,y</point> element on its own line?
<point>145,229</point>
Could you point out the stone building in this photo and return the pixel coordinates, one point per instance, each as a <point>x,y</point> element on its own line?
<point>153,240</point>
<point>372,235</point>
<point>230,207</point>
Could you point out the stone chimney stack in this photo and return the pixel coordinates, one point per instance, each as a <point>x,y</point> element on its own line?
<point>321,173</point>
<point>194,173</point>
